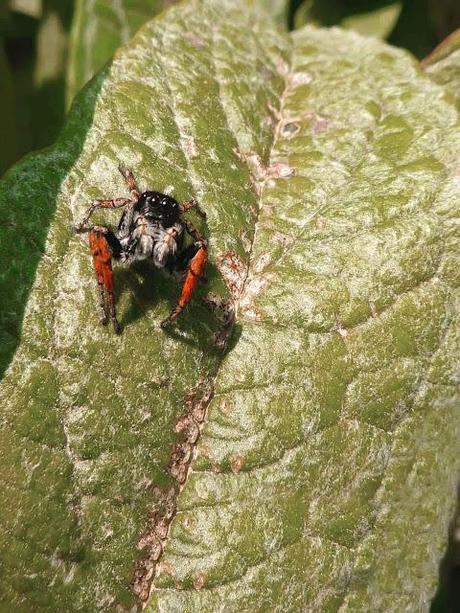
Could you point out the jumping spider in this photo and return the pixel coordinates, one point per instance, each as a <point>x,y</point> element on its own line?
<point>152,227</point>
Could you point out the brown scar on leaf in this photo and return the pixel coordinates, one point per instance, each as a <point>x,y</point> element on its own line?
<point>226,406</point>
<point>164,508</point>
<point>233,271</point>
<point>290,128</point>
<point>188,523</point>
<point>341,330</point>
<point>320,222</point>
<point>236,463</point>
<point>280,170</point>
<point>283,239</point>
<point>165,567</point>
<point>199,580</point>
<point>190,146</point>
<point>225,313</point>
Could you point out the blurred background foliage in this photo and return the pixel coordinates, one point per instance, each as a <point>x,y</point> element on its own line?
<point>50,48</point>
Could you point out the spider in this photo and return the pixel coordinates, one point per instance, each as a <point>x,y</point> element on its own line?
<point>151,227</point>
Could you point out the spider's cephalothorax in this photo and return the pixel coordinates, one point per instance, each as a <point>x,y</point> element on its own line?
<point>152,227</point>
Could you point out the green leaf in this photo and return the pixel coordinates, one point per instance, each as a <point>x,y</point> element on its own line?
<point>47,96</point>
<point>327,165</point>
<point>371,17</point>
<point>403,23</point>
<point>99,27</point>
<point>443,65</point>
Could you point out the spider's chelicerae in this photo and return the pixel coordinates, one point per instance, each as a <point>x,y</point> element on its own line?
<point>151,227</point>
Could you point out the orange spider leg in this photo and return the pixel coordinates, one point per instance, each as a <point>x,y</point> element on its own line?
<point>195,270</point>
<point>102,259</point>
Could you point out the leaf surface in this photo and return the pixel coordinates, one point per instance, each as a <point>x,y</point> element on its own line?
<point>327,165</point>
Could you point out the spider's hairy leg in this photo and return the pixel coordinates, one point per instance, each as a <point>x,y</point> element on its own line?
<point>114,203</point>
<point>102,303</point>
<point>104,245</point>
<point>130,182</point>
<point>195,270</point>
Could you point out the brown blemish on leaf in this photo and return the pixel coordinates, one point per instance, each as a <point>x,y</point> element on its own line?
<point>188,523</point>
<point>199,580</point>
<point>226,406</point>
<point>189,145</point>
<point>163,510</point>
<point>224,310</point>
<point>341,330</point>
<point>280,170</point>
<point>236,463</point>
<point>290,129</point>
<point>320,222</point>
<point>233,270</point>
<point>283,239</point>
<point>165,567</point>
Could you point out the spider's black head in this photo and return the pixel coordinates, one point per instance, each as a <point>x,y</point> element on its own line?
<point>159,206</point>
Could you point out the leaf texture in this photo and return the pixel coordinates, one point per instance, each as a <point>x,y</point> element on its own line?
<point>327,165</point>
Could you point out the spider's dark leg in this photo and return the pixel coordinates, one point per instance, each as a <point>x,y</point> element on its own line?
<point>195,270</point>
<point>130,182</point>
<point>102,303</point>
<point>104,245</point>
<point>115,203</point>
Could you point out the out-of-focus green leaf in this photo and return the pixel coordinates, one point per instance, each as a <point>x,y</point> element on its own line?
<point>7,115</point>
<point>327,165</point>
<point>371,17</point>
<point>31,8</point>
<point>443,64</point>
<point>50,73</point>
<point>99,27</point>
<point>403,23</point>
<point>446,16</point>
